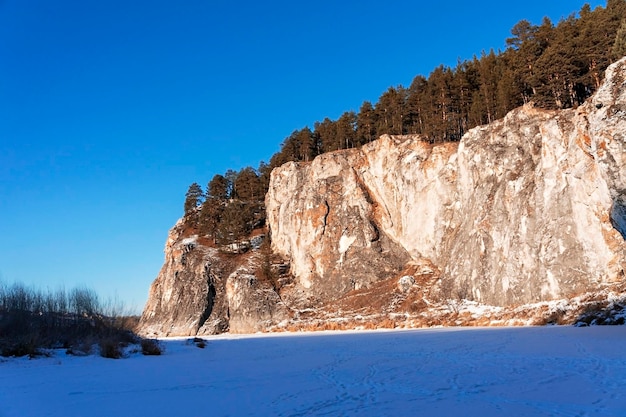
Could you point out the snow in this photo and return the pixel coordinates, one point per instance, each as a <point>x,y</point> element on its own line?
<point>533,371</point>
<point>191,240</point>
<point>344,244</point>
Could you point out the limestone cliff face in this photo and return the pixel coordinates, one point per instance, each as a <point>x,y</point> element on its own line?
<point>185,294</point>
<point>201,291</point>
<point>253,307</point>
<point>529,208</point>
<point>323,220</point>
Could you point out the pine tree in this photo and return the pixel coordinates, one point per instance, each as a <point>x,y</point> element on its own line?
<point>525,47</point>
<point>559,69</point>
<point>218,187</point>
<point>489,71</point>
<point>235,223</point>
<point>306,146</point>
<point>210,216</point>
<point>193,198</point>
<point>231,176</point>
<point>440,122</point>
<point>619,46</point>
<point>465,82</point>
<point>508,96</point>
<point>390,111</point>
<point>326,133</point>
<point>365,124</point>
<point>346,130</point>
<point>247,185</point>
<point>290,146</point>
<point>265,171</point>
<point>416,105</point>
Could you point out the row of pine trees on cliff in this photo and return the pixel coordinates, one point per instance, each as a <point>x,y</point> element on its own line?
<point>553,66</point>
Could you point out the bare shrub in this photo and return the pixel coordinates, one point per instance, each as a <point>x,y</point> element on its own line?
<point>25,345</point>
<point>199,342</point>
<point>151,347</point>
<point>84,302</point>
<point>82,348</point>
<point>111,347</point>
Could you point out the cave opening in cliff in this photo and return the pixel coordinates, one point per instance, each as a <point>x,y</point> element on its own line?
<point>618,214</point>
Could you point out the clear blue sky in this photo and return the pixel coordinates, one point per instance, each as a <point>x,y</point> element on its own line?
<point>110,109</point>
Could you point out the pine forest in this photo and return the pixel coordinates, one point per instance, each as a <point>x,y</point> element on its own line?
<point>550,66</point>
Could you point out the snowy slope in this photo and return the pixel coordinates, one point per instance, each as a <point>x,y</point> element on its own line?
<point>536,371</point>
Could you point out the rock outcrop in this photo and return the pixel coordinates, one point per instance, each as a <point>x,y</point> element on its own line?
<point>253,307</point>
<point>200,290</point>
<point>185,293</point>
<point>528,208</point>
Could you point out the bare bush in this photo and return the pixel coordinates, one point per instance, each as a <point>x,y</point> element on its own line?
<point>151,347</point>
<point>33,319</point>
<point>199,342</point>
<point>84,302</point>
<point>111,347</point>
<point>23,345</point>
<point>82,348</point>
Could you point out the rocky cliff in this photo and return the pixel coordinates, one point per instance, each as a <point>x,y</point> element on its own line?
<point>203,290</point>
<point>527,209</point>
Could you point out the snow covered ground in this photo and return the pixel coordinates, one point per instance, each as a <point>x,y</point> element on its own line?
<point>536,371</point>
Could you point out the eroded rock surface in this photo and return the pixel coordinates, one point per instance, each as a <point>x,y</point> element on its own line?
<point>187,292</point>
<point>522,210</point>
<point>201,290</point>
<point>253,306</point>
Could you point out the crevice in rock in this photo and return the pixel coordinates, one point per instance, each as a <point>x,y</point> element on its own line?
<point>364,189</point>
<point>209,308</point>
<point>325,217</point>
<point>376,233</point>
<point>618,214</point>
<point>210,298</point>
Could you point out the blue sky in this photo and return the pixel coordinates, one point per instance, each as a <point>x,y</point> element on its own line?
<point>110,109</point>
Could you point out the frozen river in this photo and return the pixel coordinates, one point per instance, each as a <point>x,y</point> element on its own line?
<point>536,371</point>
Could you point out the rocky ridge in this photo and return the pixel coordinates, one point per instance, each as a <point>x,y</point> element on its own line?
<point>528,209</point>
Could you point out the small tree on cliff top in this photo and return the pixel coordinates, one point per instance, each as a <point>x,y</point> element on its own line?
<point>218,187</point>
<point>193,198</point>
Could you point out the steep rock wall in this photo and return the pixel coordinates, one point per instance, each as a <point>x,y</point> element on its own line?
<point>201,290</point>
<point>529,208</point>
<point>188,290</point>
<point>525,209</point>
<point>323,211</point>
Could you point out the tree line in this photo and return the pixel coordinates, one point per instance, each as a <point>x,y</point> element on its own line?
<point>553,66</point>
<point>232,206</point>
